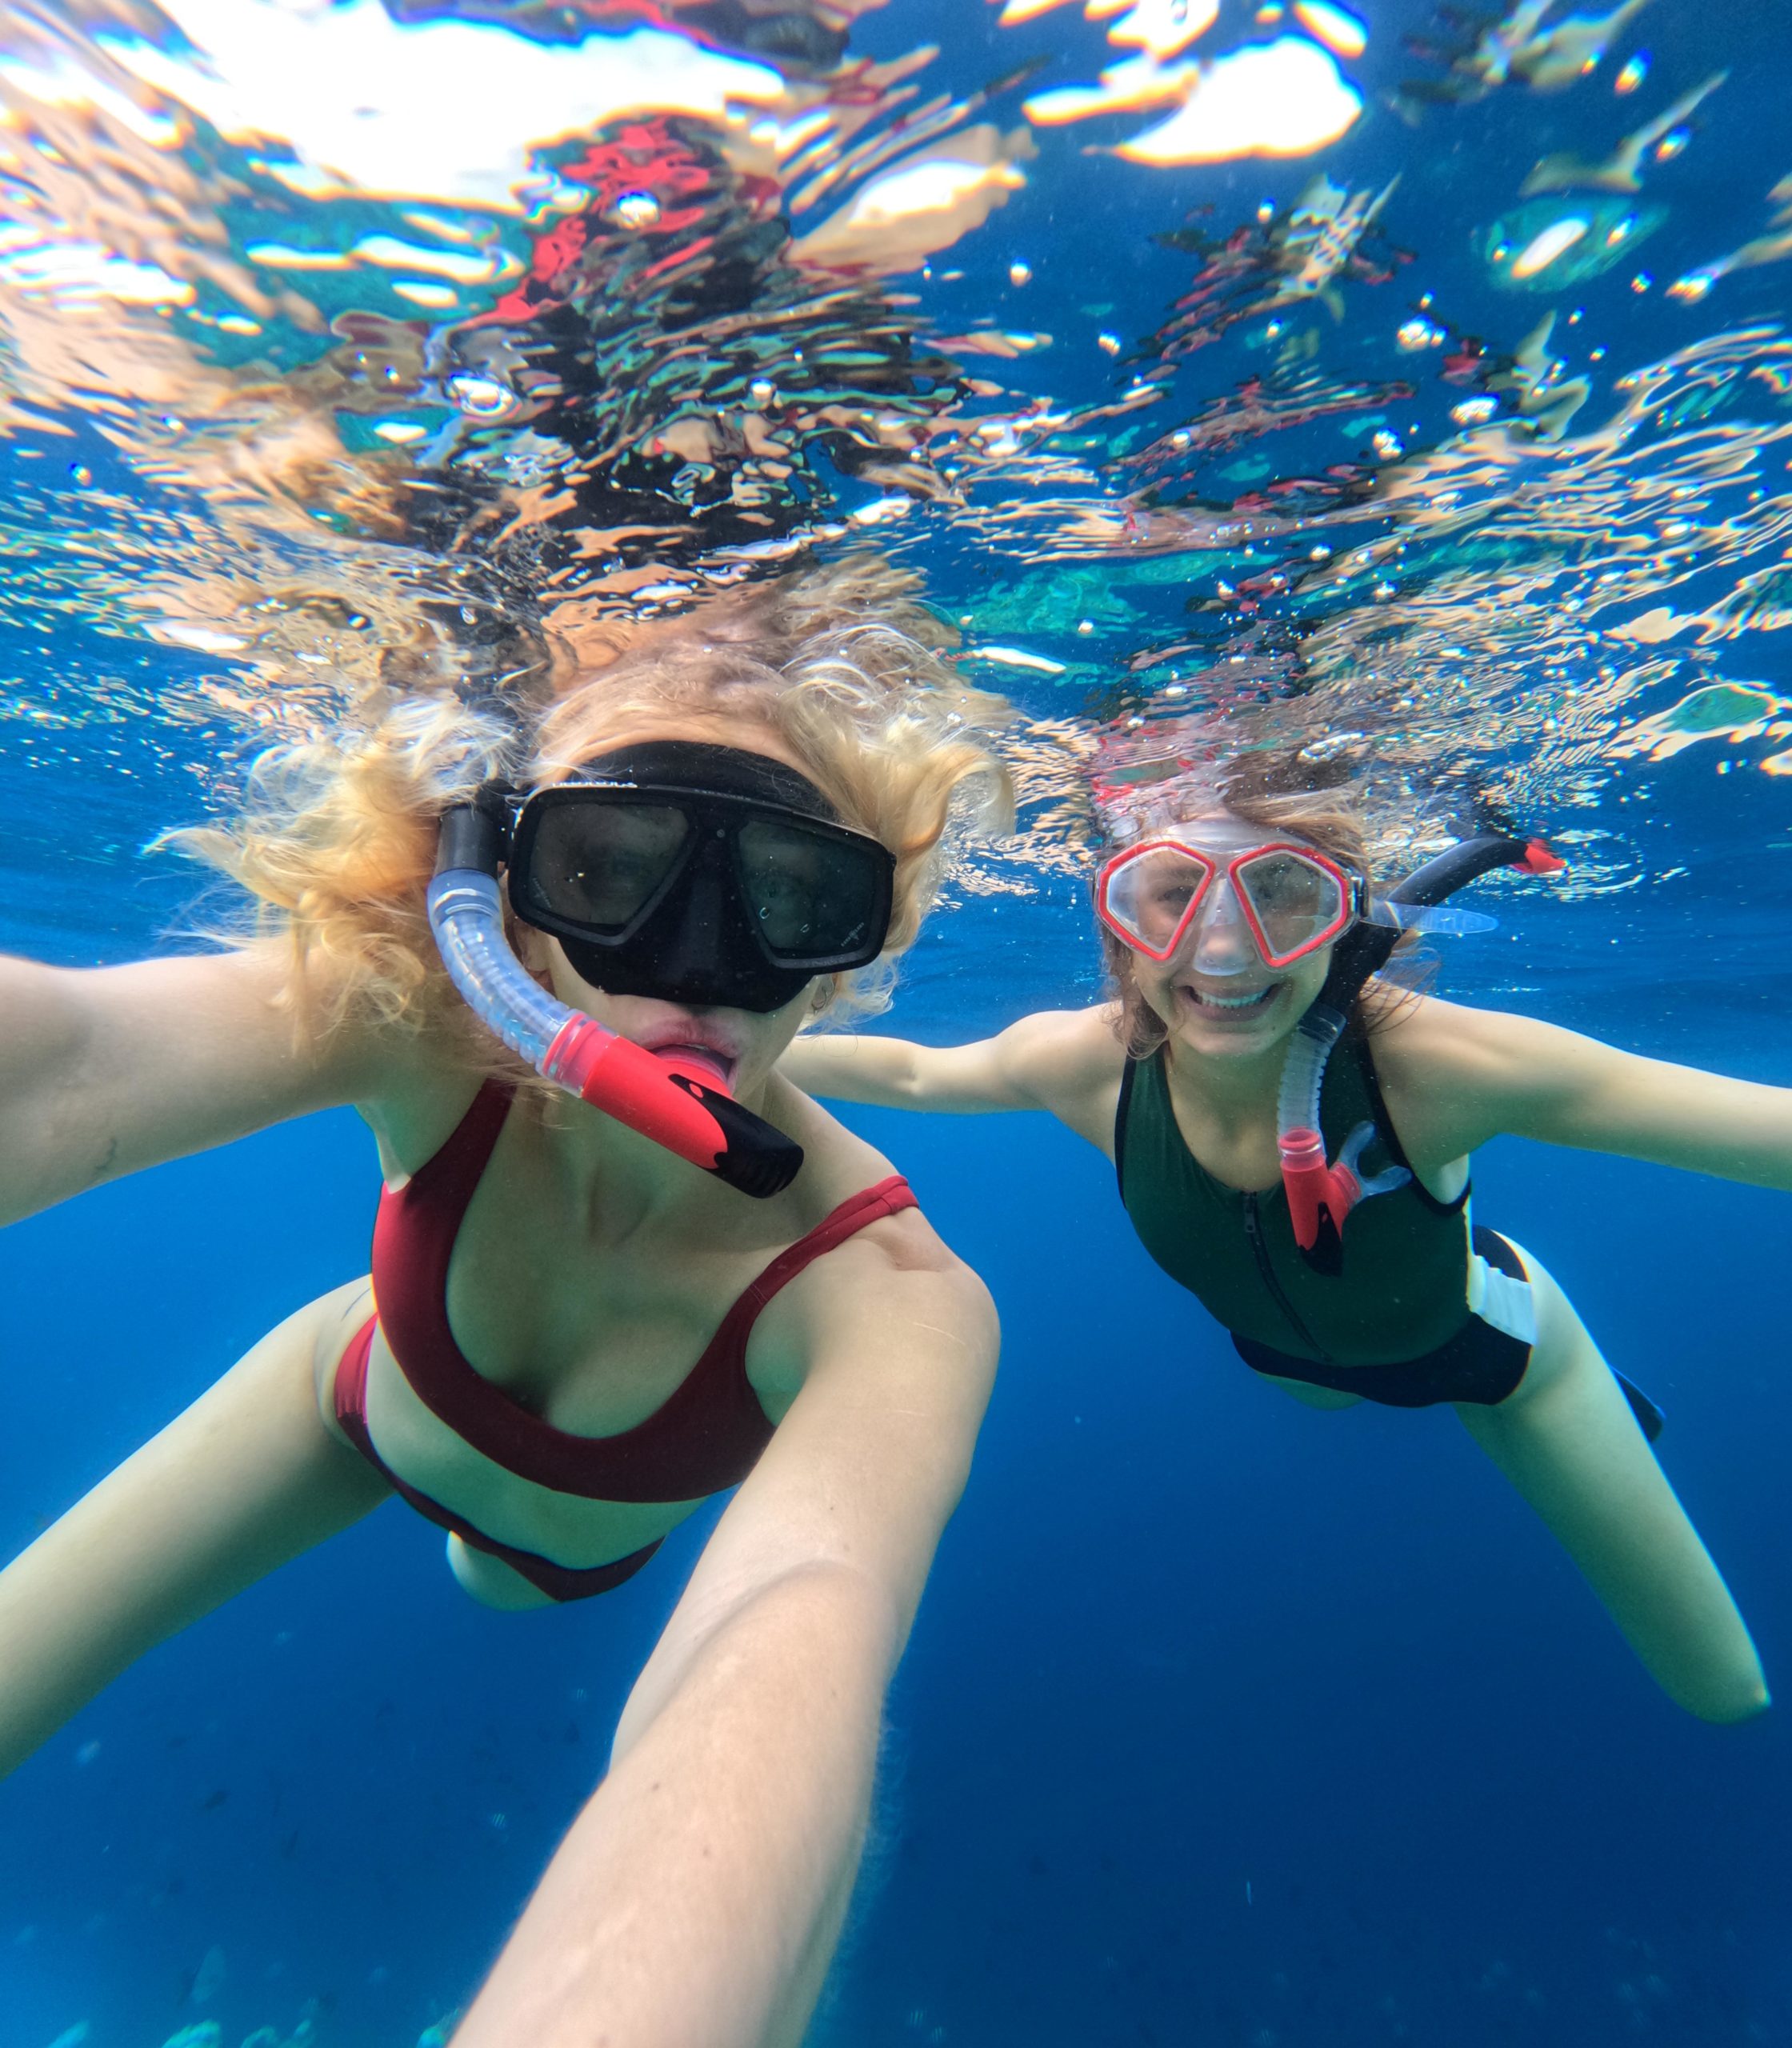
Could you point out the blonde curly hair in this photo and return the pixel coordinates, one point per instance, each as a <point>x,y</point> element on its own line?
<point>336,839</point>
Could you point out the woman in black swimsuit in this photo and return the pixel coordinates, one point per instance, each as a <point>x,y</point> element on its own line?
<point>1225,919</point>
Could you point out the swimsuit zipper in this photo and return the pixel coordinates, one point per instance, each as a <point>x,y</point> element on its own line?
<point>1254,1231</point>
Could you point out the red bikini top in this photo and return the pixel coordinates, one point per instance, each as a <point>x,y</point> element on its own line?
<point>705,1436</point>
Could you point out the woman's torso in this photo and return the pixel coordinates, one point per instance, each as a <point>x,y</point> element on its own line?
<point>1403,1292</point>
<point>567,1371</point>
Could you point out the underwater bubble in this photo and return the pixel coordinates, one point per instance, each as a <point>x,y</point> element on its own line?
<point>1556,240</point>
<point>1548,244</point>
<point>480,397</point>
<point>1635,71</point>
<point>1020,274</point>
<point>1474,412</point>
<point>1420,333</point>
<point>636,209</point>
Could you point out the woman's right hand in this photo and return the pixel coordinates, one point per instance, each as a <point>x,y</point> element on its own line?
<point>105,1071</point>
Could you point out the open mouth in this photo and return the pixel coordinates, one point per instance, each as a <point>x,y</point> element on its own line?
<point>712,1064</point>
<point>1232,1006</point>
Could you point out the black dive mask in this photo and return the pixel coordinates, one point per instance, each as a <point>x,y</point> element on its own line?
<point>702,875</point>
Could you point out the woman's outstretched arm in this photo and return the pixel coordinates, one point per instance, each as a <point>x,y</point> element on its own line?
<point>1065,1061</point>
<point>698,1898</point>
<point>1458,1077</point>
<point>104,1071</point>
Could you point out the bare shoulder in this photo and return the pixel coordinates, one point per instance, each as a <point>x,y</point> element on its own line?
<point>837,1163</point>
<point>1071,1063</point>
<point>1083,1042</point>
<point>1452,1073</point>
<point>893,1297</point>
<point>897,1284</point>
<point>1424,1041</point>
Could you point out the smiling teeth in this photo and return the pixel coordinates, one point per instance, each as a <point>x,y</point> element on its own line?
<point>1231,1001</point>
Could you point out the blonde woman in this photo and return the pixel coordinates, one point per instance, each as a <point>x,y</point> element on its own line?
<point>571,1337</point>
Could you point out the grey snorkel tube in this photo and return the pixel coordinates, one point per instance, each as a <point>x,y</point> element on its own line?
<point>675,1104</point>
<point>1322,1194</point>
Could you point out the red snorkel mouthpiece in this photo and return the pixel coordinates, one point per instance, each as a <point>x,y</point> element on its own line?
<point>1319,1197</point>
<point>677,1102</point>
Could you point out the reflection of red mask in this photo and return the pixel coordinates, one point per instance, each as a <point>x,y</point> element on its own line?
<point>1292,898</point>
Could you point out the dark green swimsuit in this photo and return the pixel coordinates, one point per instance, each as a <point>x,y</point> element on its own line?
<point>1396,1326</point>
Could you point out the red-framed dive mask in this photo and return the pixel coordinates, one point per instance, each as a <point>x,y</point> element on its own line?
<point>1292,899</point>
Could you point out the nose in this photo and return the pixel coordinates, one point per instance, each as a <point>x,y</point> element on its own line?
<point>1222,941</point>
<point>689,953</point>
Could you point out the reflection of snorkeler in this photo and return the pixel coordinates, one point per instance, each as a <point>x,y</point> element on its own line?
<point>1222,949</point>
<point>702,854</point>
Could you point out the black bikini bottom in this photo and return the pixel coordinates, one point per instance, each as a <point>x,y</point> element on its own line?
<point>1479,1365</point>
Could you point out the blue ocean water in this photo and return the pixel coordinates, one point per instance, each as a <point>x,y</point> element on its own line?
<point>1225,1720</point>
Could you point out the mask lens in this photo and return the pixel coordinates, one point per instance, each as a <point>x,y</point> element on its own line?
<point>1150,896</point>
<point>600,864</point>
<point>1295,904</point>
<point>811,896</point>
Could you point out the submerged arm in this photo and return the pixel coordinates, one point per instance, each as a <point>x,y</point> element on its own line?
<point>698,1897</point>
<point>104,1071</point>
<point>1060,1061</point>
<point>1479,1073</point>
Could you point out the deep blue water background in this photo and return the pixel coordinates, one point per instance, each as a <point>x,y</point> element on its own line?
<point>1225,1720</point>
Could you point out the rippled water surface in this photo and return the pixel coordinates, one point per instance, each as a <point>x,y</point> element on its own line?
<point>1413,382</point>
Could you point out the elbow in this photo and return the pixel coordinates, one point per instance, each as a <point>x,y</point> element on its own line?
<point>846,1611</point>
<point>901,1084</point>
<point>839,1626</point>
